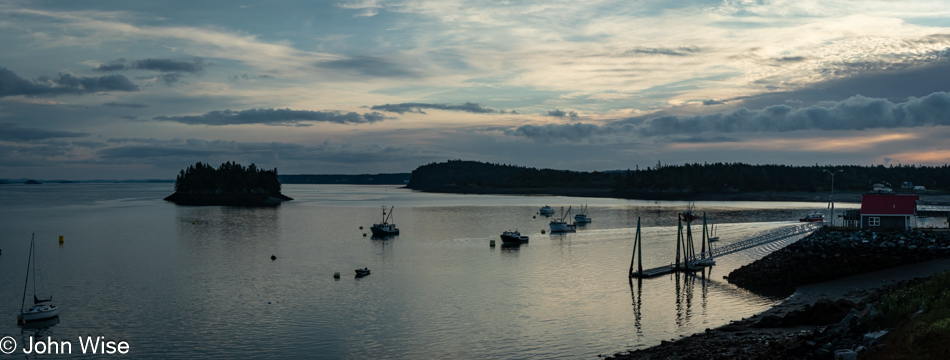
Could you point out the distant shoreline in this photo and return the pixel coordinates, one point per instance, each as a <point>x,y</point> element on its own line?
<point>801,196</point>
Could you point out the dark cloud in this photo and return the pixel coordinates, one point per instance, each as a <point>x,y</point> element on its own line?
<point>560,113</point>
<point>248,77</point>
<point>274,117</point>
<point>89,144</point>
<point>369,66</point>
<point>128,105</point>
<point>160,65</point>
<point>13,85</point>
<point>791,59</point>
<point>713,102</point>
<point>167,79</point>
<point>13,132</point>
<point>417,108</point>
<point>855,113</point>
<point>680,51</point>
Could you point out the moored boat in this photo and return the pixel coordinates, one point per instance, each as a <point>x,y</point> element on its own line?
<point>513,237</point>
<point>384,228</point>
<point>561,225</point>
<point>362,272</point>
<point>546,210</point>
<point>39,310</point>
<point>812,217</point>
<point>583,217</point>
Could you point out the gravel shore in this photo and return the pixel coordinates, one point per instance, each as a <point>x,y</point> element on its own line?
<point>764,336</point>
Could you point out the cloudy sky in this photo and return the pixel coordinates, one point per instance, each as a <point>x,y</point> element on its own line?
<point>132,90</point>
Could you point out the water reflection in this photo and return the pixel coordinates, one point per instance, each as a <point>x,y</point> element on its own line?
<point>637,295</point>
<point>512,249</point>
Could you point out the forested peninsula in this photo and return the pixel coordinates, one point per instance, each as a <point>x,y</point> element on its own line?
<point>230,184</point>
<point>718,181</point>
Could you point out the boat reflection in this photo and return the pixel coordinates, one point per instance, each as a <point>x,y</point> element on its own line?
<point>636,293</point>
<point>41,324</point>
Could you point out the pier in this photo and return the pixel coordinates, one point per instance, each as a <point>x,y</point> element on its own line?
<point>694,261</point>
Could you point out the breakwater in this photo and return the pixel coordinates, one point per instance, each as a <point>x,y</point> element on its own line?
<point>831,254</point>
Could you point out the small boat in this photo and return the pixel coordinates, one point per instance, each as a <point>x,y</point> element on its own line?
<point>561,225</point>
<point>689,215</point>
<point>384,228</point>
<point>362,272</point>
<point>583,217</point>
<point>39,311</point>
<point>513,237</point>
<point>713,233</point>
<point>812,217</point>
<point>546,210</point>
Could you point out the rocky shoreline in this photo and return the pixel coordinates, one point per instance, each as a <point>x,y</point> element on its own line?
<point>835,278</point>
<point>830,254</point>
<point>227,199</point>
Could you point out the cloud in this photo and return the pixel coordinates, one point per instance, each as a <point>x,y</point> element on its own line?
<point>274,117</point>
<point>128,105</point>
<point>855,113</point>
<point>160,65</point>
<point>680,51</point>
<point>417,108</point>
<point>12,85</point>
<point>559,113</point>
<point>369,66</point>
<point>13,132</point>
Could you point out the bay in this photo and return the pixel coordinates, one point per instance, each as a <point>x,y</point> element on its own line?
<point>199,282</point>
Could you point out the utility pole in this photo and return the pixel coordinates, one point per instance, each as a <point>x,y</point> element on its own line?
<point>833,193</point>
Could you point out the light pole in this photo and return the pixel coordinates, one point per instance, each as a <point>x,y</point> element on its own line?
<point>833,193</point>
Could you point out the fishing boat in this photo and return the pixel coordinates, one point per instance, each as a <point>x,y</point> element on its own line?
<point>362,272</point>
<point>813,217</point>
<point>513,237</point>
<point>546,210</point>
<point>384,228</point>
<point>561,225</point>
<point>40,310</point>
<point>583,217</point>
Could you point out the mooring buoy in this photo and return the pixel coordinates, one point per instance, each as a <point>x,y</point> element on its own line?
<point>273,257</point>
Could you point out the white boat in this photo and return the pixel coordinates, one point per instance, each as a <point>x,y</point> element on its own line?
<point>513,237</point>
<point>561,225</point>
<point>40,309</point>
<point>813,217</point>
<point>384,228</point>
<point>546,210</point>
<point>583,217</point>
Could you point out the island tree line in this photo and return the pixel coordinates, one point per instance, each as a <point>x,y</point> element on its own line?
<point>688,178</point>
<point>229,178</point>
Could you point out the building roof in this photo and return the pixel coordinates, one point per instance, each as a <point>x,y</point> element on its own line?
<point>888,204</point>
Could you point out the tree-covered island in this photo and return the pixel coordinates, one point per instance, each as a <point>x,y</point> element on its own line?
<point>230,184</point>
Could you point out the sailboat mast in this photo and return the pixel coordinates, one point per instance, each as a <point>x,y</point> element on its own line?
<point>386,220</point>
<point>27,281</point>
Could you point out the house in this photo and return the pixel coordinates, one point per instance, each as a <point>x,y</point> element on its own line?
<point>933,217</point>
<point>888,211</point>
<point>920,187</point>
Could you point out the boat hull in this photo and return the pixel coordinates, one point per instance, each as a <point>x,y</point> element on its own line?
<point>39,312</point>
<point>378,231</point>
<point>581,219</point>
<point>508,239</point>
<point>562,227</point>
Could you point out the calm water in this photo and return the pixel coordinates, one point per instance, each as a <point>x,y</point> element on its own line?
<point>198,282</point>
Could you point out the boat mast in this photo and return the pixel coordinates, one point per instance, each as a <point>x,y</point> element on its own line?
<point>386,220</point>
<point>27,281</point>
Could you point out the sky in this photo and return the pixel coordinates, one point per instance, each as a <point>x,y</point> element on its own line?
<point>139,90</point>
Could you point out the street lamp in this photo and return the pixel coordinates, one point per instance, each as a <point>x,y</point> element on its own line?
<point>833,193</point>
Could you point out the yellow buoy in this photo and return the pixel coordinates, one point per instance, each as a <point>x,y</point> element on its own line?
<point>60,239</point>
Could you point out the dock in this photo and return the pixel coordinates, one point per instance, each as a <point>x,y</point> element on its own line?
<point>694,261</point>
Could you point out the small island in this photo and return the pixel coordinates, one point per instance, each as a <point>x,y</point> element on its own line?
<point>231,184</point>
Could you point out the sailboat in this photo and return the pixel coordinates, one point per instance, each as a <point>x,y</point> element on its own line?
<point>385,228</point>
<point>40,310</point>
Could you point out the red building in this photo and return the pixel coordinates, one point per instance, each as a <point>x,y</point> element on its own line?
<point>888,211</point>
